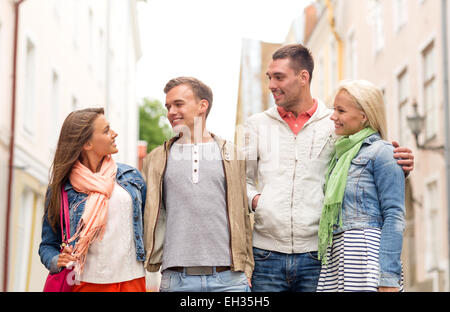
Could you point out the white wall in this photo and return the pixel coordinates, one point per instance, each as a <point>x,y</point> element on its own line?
<point>69,40</point>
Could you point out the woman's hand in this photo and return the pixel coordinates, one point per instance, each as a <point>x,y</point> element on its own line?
<point>388,289</point>
<point>65,257</point>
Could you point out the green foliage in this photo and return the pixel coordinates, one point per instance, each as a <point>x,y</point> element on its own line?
<point>153,125</point>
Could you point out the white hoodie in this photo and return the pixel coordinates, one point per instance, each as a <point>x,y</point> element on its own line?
<point>288,171</point>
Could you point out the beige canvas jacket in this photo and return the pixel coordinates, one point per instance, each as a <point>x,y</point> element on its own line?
<point>237,209</point>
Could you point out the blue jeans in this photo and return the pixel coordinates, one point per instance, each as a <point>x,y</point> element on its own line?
<point>279,272</point>
<point>227,281</point>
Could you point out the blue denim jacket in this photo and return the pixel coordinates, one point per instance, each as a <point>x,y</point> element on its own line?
<point>127,177</point>
<point>375,198</point>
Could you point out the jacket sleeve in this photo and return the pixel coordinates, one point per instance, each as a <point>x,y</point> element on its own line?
<point>249,262</point>
<point>390,182</point>
<point>143,192</point>
<point>144,173</point>
<point>251,157</point>
<point>145,167</point>
<point>50,244</point>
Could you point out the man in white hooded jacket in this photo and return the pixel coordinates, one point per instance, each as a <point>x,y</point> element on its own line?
<point>288,148</point>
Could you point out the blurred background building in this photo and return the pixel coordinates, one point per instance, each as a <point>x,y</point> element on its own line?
<point>69,55</point>
<point>253,93</point>
<point>400,46</point>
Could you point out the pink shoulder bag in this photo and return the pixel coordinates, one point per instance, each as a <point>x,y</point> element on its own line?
<point>61,282</point>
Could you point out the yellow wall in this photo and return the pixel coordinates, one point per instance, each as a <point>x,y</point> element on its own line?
<point>35,272</point>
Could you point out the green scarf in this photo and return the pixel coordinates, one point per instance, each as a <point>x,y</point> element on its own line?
<point>335,182</point>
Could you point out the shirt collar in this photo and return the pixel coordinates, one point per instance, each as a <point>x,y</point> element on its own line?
<point>283,113</point>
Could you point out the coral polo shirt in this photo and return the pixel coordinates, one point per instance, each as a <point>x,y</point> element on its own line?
<point>297,123</point>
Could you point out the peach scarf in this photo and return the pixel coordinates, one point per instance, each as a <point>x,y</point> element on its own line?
<point>99,187</point>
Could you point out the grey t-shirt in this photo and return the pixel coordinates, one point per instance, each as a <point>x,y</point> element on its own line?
<point>197,232</point>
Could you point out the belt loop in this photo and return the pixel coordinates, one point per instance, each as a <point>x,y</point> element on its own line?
<point>214,271</point>
<point>183,274</point>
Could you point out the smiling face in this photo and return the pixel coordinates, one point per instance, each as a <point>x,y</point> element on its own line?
<point>102,142</point>
<point>285,84</point>
<point>183,107</point>
<point>348,118</point>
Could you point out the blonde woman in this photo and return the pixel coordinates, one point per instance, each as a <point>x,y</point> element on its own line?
<point>363,217</point>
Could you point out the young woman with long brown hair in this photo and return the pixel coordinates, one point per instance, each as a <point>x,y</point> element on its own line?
<point>106,206</point>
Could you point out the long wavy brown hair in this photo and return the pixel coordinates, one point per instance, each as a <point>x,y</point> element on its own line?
<point>76,130</point>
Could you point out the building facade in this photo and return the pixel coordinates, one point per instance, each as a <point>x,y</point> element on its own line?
<point>398,46</point>
<point>254,95</point>
<point>71,55</point>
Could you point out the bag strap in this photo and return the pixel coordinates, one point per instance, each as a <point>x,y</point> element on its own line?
<point>64,213</point>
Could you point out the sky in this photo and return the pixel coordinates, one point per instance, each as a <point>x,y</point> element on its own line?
<point>202,38</point>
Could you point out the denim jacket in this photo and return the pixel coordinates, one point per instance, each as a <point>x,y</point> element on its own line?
<point>375,198</point>
<point>127,177</point>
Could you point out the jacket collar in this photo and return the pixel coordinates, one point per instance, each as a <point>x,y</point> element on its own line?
<point>168,144</point>
<point>372,139</point>
<point>223,144</point>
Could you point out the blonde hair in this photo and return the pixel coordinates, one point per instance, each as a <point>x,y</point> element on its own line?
<point>369,99</point>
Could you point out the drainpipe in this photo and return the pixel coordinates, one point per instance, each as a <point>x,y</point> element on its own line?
<point>332,22</point>
<point>446,114</point>
<point>108,61</point>
<point>11,143</point>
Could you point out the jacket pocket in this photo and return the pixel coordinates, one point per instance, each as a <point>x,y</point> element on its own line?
<point>261,254</point>
<point>320,140</point>
<point>358,166</point>
<point>260,199</point>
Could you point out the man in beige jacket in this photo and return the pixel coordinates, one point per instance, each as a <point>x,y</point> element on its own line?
<point>196,223</point>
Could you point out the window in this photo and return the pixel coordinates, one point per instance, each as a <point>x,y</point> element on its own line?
<point>400,14</point>
<point>100,60</point>
<point>385,100</point>
<point>433,229</point>
<point>23,240</point>
<point>402,100</point>
<point>28,104</point>
<point>57,9</point>
<point>333,66</point>
<point>386,107</point>
<point>0,47</point>
<point>91,48</point>
<point>251,86</point>
<point>75,23</point>
<point>54,107</point>
<point>352,57</point>
<point>429,92</point>
<point>74,103</point>
<point>321,78</point>
<point>375,18</point>
<point>1,61</point>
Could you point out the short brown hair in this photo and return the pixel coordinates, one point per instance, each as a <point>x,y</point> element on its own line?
<point>201,91</point>
<point>300,56</point>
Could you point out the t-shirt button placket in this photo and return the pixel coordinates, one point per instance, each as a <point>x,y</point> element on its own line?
<point>195,163</point>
